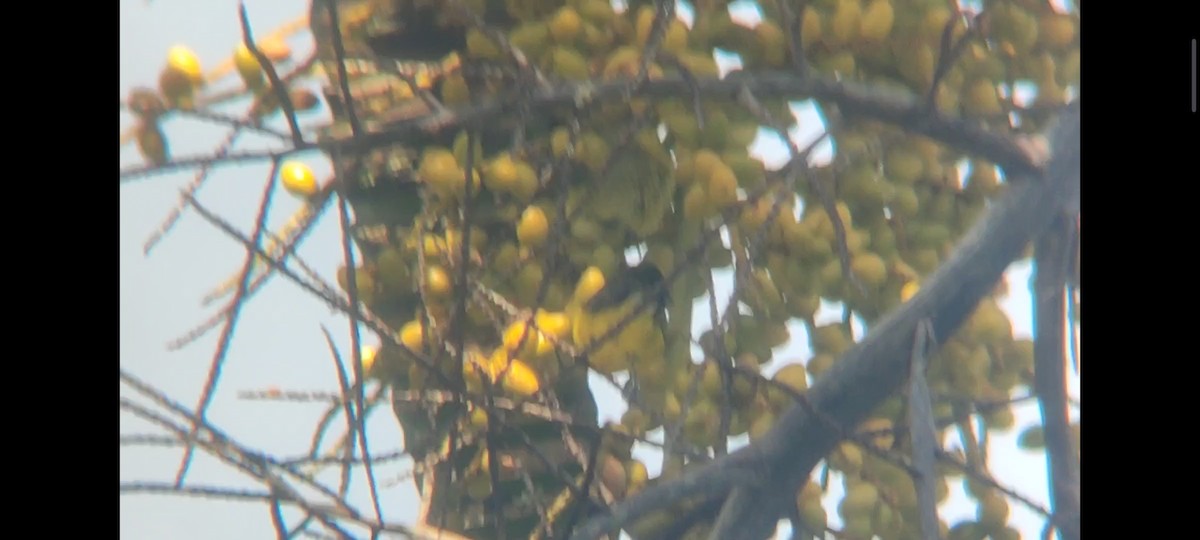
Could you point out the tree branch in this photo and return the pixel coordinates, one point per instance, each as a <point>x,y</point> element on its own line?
<point>877,366</point>
<point>891,106</point>
<point>1052,257</point>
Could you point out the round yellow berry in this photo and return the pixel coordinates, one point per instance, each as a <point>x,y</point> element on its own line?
<point>412,335</point>
<point>501,175</point>
<point>184,61</point>
<point>440,170</point>
<point>533,227</point>
<point>298,179</point>
<point>589,284</point>
<point>437,282</point>
<point>248,67</point>
<point>869,268</point>
<point>367,356</point>
<point>553,323</point>
<point>519,379</point>
<point>722,187</point>
<point>565,25</point>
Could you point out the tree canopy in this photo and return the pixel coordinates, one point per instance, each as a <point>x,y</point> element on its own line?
<point>540,196</point>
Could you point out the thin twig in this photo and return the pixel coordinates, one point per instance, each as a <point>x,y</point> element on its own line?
<point>218,360</point>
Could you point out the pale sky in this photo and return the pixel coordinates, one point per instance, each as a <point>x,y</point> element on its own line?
<point>279,342</point>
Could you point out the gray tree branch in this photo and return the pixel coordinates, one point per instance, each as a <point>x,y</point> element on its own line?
<point>1052,255</point>
<point>874,368</point>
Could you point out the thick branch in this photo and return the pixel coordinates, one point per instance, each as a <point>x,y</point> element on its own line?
<point>876,367</point>
<point>1052,255</point>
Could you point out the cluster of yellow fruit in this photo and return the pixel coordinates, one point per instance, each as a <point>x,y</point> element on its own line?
<point>981,364</point>
<point>552,220</point>
<point>182,77</point>
<point>178,81</point>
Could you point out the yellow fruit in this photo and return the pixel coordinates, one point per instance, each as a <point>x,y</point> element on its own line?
<point>529,280</point>
<point>989,324</point>
<point>526,185</point>
<point>860,500</point>
<point>810,29</point>
<point>933,25</point>
<point>902,165</point>
<point>772,43</point>
<point>412,335</point>
<point>869,268</point>
<point>556,324</point>
<point>604,258</point>
<point>676,39</point>
<point>454,91</point>
<point>762,424</point>
<point>393,272</point>
<point>183,60</point>
<point>438,283</point>
<point>820,363</point>
<point>830,338</point>
<point>696,204</point>
<point>518,378</point>
<point>589,284</point>
<point>636,475</point>
<point>565,25</point>
<point>877,20</point>
<point>847,458</point>
<point>152,144</point>
<point>1056,31</point>
<point>596,11</point>
<point>440,170</point>
<point>811,512</point>
<point>298,179</point>
<point>500,175</point>
<point>367,356</point>
<point>479,418</point>
<point>1000,418</point>
<point>622,62</point>
<point>248,67</point>
<point>792,376</point>
<point>478,486</point>
<point>1033,438</point>
<point>662,256</point>
<point>520,339</point>
<point>704,162</point>
<point>176,82</point>
<point>993,510</point>
<point>844,26</point>
<point>644,24</point>
<point>722,187</point>
<point>981,99</point>
<point>567,63</point>
<point>592,150</point>
<point>699,64</point>
<point>480,46</point>
<point>533,228</point>
<point>917,64</point>
<point>530,38</point>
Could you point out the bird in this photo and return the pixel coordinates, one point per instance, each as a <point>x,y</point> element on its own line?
<point>639,289</point>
